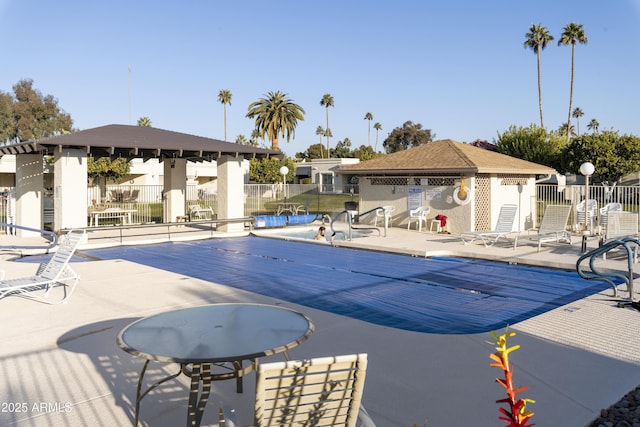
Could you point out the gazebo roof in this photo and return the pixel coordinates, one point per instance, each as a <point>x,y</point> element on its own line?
<point>445,156</point>
<point>139,142</point>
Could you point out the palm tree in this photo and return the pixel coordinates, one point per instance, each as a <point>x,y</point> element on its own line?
<point>144,121</point>
<point>328,134</point>
<point>566,129</point>
<point>369,117</point>
<point>537,39</point>
<point>320,133</point>
<point>224,96</point>
<point>327,101</point>
<point>275,114</point>
<point>577,113</point>
<point>242,140</point>
<point>255,134</point>
<point>377,126</point>
<point>573,33</point>
<point>593,125</point>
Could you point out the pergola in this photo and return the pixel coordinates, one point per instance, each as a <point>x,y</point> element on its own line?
<point>71,150</point>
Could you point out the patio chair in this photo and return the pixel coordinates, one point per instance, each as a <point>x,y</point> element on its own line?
<point>621,224</point>
<point>553,227</point>
<point>604,214</point>
<point>504,226</point>
<point>56,272</point>
<point>325,391</point>
<point>198,212</point>
<point>591,213</point>
<point>418,214</point>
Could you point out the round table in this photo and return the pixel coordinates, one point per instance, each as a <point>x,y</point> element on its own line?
<point>202,336</point>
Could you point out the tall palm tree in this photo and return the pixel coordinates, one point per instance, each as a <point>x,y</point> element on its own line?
<point>593,126</point>
<point>377,126</point>
<point>327,101</point>
<point>537,39</point>
<point>328,134</point>
<point>369,117</point>
<point>320,133</point>
<point>275,115</point>
<point>577,113</point>
<point>224,96</point>
<point>572,34</point>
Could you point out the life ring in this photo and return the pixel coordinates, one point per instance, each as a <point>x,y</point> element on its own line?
<point>461,195</point>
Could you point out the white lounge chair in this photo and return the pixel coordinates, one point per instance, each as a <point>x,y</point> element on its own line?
<point>418,214</point>
<point>553,227</point>
<point>604,214</point>
<point>591,213</point>
<point>619,225</point>
<point>56,272</point>
<point>198,212</point>
<point>504,226</point>
<point>324,391</point>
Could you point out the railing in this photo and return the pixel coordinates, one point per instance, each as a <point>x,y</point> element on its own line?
<point>630,245</point>
<point>349,220</point>
<point>11,230</point>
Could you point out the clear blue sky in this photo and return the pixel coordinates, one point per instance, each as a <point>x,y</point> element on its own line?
<point>456,67</point>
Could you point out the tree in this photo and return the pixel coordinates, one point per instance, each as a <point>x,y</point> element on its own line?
<point>7,119</point>
<point>572,34</point>
<point>343,149</point>
<point>407,136</point>
<point>593,126</point>
<point>320,133</point>
<point>566,129</point>
<point>107,168</point>
<point>144,121</point>
<point>241,139</point>
<point>224,96</point>
<point>533,144</point>
<point>255,134</point>
<point>537,39</point>
<point>328,134</point>
<point>275,115</point>
<point>577,113</point>
<point>36,116</point>
<point>315,151</point>
<point>369,117</point>
<point>613,155</point>
<point>265,171</point>
<point>327,101</point>
<point>364,152</point>
<point>377,126</point>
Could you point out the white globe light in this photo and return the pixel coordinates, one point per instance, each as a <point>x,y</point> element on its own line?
<point>284,170</point>
<point>587,168</point>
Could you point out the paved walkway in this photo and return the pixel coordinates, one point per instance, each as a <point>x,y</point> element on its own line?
<point>60,365</point>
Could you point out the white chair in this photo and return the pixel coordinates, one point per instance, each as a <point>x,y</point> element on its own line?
<point>604,214</point>
<point>553,227</point>
<point>325,391</point>
<point>504,226</point>
<point>386,213</point>
<point>591,213</point>
<point>54,273</point>
<point>621,224</point>
<point>198,212</point>
<point>418,214</point>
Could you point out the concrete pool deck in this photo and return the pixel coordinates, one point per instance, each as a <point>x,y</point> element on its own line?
<point>62,364</point>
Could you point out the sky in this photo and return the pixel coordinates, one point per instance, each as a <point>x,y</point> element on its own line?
<point>457,67</point>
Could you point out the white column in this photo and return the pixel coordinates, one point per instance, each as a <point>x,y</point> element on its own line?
<point>230,192</point>
<point>175,189</point>
<point>29,193</point>
<point>69,189</point>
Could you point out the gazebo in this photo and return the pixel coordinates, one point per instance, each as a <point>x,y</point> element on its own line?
<point>174,149</point>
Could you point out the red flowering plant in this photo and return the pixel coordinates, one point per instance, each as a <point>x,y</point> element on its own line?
<point>516,413</point>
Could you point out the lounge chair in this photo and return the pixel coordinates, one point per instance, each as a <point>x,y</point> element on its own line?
<point>56,272</point>
<point>324,391</point>
<point>553,227</point>
<point>198,212</point>
<point>418,214</point>
<point>504,226</point>
<point>604,214</point>
<point>619,225</point>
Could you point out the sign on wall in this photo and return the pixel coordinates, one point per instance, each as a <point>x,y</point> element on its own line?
<point>414,197</point>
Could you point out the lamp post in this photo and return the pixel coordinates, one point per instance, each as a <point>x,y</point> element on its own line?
<point>284,171</point>
<point>587,170</point>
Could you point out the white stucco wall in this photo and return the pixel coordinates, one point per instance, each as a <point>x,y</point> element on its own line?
<point>70,189</point>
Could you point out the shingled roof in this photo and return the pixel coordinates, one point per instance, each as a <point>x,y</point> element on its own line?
<point>139,142</point>
<point>445,156</point>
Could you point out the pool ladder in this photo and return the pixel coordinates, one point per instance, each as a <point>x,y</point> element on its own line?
<point>350,219</point>
<point>629,245</point>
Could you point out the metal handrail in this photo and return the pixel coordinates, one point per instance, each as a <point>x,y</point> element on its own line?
<point>352,227</point>
<point>598,274</point>
<point>54,236</point>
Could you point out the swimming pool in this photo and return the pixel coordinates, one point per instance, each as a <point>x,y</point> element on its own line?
<point>433,295</point>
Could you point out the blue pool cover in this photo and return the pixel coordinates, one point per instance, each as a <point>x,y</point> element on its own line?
<point>435,295</point>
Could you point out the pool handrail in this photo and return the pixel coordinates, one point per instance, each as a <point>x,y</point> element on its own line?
<point>598,274</point>
<point>13,227</point>
<point>350,218</point>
